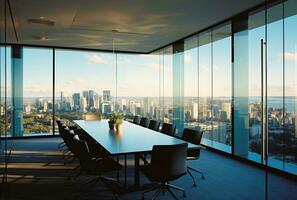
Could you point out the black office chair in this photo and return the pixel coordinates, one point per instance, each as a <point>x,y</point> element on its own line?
<point>168,163</point>
<point>154,125</point>
<point>94,166</point>
<point>144,122</point>
<point>136,120</point>
<point>168,129</point>
<point>193,136</point>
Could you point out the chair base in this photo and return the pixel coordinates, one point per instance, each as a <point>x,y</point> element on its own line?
<point>189,169</point>
<point>163,187</point>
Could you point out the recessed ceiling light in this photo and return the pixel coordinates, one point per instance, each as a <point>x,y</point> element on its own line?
<point>41,20</point>
<point>37,37</point>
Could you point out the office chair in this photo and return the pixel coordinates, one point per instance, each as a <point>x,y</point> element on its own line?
<point>193,136</point>
<point>94,166</point>
<point>144,122</point>
<point>136,120</point>
<point>168,163</point>
<point>154,125</point>
<point>168,129</point>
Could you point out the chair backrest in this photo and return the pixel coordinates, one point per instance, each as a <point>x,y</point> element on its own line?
<point>168,129</point>
<point>169,161</point>
<point>83,154</point>
<point>192,136</point>
<point>144,122</point>
<point>90,117</point>
<point>154,125</point>
<point>136,119</point>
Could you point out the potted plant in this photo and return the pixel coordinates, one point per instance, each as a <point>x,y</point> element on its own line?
<point>116,119</point>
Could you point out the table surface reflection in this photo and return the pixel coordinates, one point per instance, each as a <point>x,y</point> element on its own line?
<point>131,138</point>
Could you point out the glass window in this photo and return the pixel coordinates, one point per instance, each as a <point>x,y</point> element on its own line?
<point>85,83</point>
<point>222,88</point>
<point>37,91</point>
<point>205,87</point>
<point>138,85</point>
<point>191,83</point>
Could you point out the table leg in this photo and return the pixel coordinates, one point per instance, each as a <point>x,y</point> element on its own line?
<point>125,166</point>
<point>118,171</point>
<point>136,170</point>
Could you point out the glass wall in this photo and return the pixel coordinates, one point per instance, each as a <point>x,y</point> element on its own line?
<point>37,91</point>
<point>191,110</point>
<point>235,81</point>
<point>222,87</point>
<point>290,71</point>
<point>85,83</point>
<point>202,86</point>
<point>138,85</point>
<point>264,85</point>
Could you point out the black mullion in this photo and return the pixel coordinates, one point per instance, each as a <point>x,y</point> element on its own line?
<point>54,87</point>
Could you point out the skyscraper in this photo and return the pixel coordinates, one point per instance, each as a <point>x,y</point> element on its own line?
<point>91,99</point>
<point>106,96</point>
<point>85,94</point>
<point>76,101</point>
<point>195,111</point>
<point>83,104</point>
<point>97,102</point>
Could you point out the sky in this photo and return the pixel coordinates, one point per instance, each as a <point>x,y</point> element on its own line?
<point>148,75</point>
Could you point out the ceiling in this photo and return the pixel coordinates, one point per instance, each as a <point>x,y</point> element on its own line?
<point>130,25</point>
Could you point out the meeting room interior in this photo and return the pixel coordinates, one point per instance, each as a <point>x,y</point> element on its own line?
<point>148,99</point>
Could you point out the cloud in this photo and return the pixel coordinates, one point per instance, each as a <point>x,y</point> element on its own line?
<point>216,67</point>
<point>98,59</point>
<point>291,56</point>
<point>152,65</point>
<point>188,58</point>
<point>287,55</point>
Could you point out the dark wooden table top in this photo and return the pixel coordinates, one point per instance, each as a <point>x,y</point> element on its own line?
<point>130,139</point>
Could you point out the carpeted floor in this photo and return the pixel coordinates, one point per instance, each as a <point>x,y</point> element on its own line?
<point>37,171</point>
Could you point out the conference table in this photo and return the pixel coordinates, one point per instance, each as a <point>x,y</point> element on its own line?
<point>130,139</point>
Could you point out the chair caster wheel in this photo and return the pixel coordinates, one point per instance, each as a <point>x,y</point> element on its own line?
<point>203,177</point>
<point>184,195</point>
<point>194,185</point>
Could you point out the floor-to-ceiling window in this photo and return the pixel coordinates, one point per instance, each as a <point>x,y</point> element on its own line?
<point>37,91</point>
<point>138,85</point>
<point>205,86</point>
<point>191,82</point>
<point>166,85</point>
<point>290,89</point>
<point>222,87</point>
<point>85,83</point>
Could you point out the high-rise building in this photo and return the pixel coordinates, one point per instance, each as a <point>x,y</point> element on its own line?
<point>38,104</point>
<point>106,108</point>
<point>76,101</point>
<point>97,101</point>
<point>106,96</point>
<point>83,104</point>
<point>85,94</point>
<point>123,104</point>
<point>195,110</point>
<point>146,106</point>
<point>227,108</point>
<point>132,107</point>
<point>45,106</point>
<point>91,99</point>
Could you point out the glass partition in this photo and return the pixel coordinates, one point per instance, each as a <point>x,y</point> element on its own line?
<point>85,83</point>
<point>138,85</point>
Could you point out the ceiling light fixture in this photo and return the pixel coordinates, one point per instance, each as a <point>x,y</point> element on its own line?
<point>37,37</point>
<point>42,21</point>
